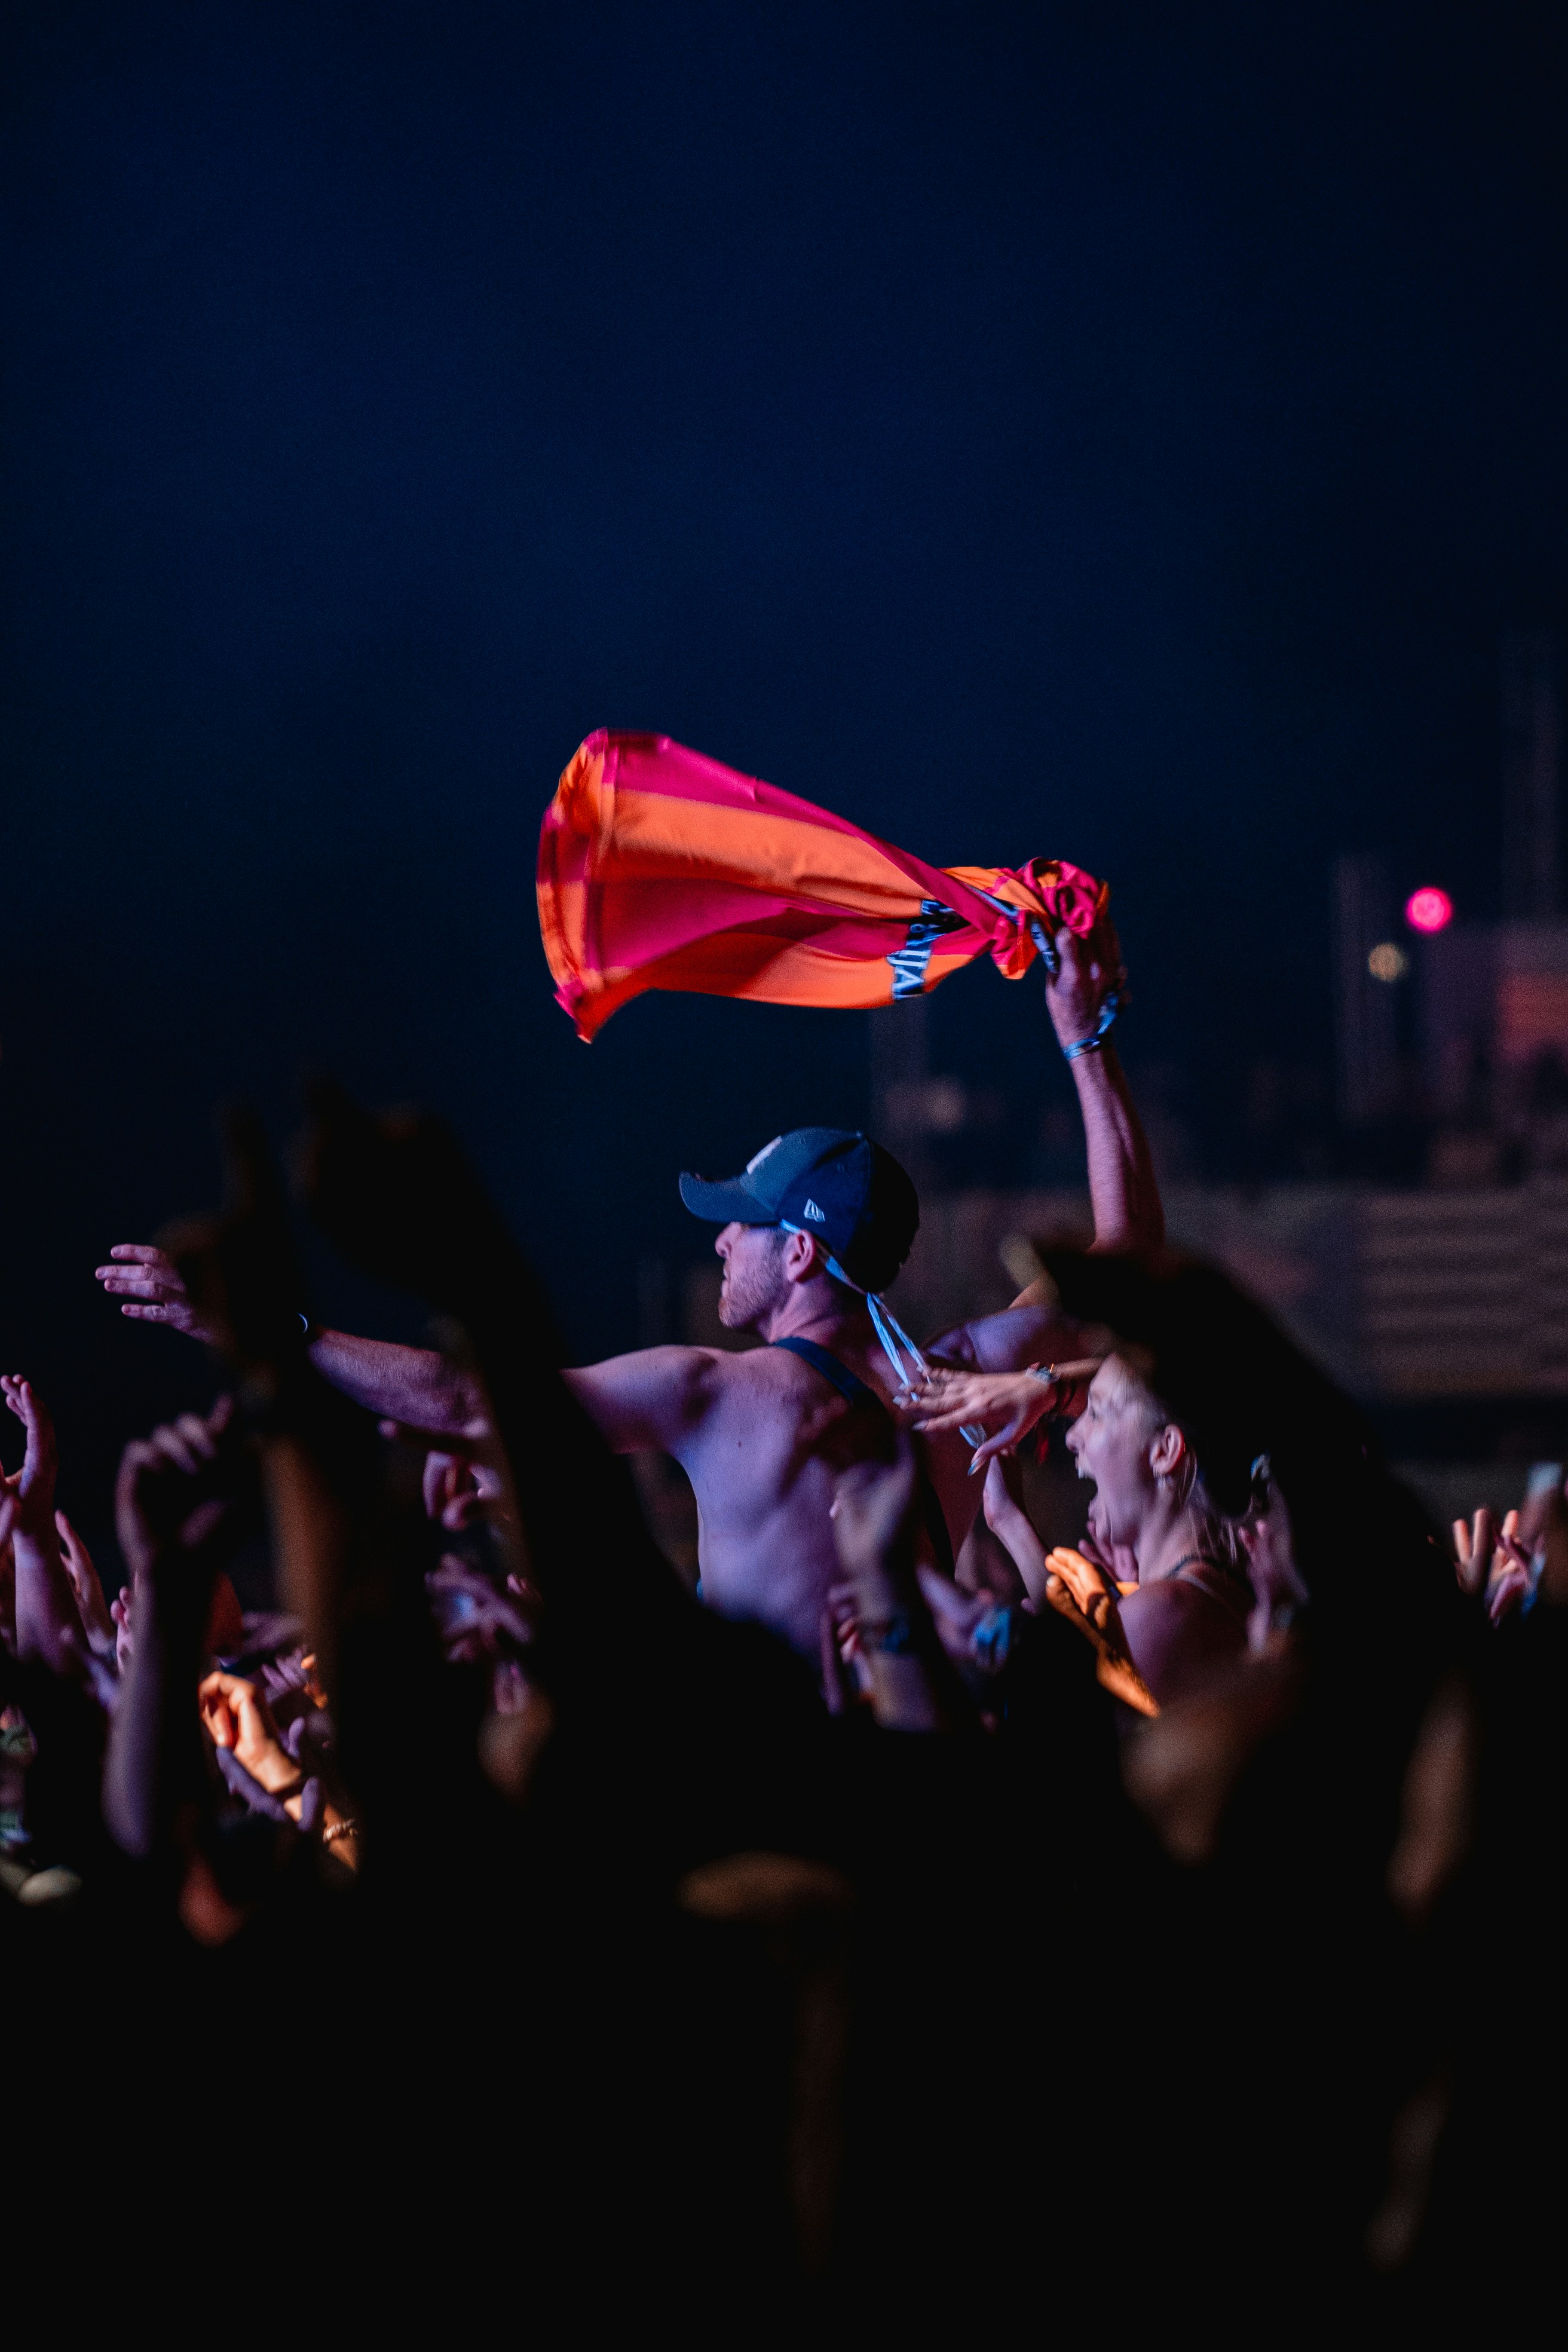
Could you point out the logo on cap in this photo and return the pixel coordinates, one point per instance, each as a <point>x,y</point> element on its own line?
<point>818,1216</point>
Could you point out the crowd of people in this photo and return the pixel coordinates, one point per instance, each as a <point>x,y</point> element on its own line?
<point>938,1908</point>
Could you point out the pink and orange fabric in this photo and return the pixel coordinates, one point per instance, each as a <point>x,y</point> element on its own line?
<point>659,869</point>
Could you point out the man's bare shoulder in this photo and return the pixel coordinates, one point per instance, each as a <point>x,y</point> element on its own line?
<point>758,1372</point>
<point>765,1397</point>
<point>653,1397</point>
<point>668,1366</point>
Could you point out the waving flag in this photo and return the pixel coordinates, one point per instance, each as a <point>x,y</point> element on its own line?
<point>659,868</point>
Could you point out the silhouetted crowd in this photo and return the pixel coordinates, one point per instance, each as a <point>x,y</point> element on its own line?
<point>496,1920</point>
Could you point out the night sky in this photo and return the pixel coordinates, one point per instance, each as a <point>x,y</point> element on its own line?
<point>1104,431</point>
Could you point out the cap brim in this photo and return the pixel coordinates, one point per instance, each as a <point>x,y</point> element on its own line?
<point>729,1203</point>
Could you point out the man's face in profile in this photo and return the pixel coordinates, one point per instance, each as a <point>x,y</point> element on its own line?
<point>753,1278</point>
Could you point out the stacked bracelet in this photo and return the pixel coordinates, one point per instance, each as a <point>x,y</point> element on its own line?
<point>1108,1012</point>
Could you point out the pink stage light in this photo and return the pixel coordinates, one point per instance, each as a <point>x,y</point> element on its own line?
<point>1428,910</point>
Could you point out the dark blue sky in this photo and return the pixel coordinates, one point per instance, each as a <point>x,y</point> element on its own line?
<point>1104,430</point>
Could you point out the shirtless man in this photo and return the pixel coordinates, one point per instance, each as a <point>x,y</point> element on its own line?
<point>817,1219</point>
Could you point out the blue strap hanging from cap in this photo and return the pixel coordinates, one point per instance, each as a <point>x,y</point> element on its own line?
<point>888,1330</point>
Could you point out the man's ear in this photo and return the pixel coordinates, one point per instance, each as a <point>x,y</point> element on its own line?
<point>800,1258</point>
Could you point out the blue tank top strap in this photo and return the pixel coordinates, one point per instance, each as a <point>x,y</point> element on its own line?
<point>850,1386</point>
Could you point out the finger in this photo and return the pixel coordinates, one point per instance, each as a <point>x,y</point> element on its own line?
<point>138,1254</point>
<point>1479,1558</point>
<point>435,1482</point>
<point>197,1435</point>
<point>460,1443</point>
<point>934,1424</point>
<point>457,1580</point>
<point>147,1313</point>
<point>992,1451</point>
<point>252,1716</point>
<point>172,1446</point>
<point>832,1686</point>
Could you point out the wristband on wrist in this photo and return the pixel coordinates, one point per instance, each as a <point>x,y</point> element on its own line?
<point>894,1635</point>
<point>992,1639</point>
<point>1108,1012</point>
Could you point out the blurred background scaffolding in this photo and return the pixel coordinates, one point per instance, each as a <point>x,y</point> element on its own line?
<point>1129,434</point>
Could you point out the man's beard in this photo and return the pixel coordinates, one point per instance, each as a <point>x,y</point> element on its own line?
<point>747,1294</point>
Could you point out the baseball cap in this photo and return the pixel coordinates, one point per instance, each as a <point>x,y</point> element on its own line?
<point>839,1186</point>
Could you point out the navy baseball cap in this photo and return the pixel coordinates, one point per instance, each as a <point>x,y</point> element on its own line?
<point>841,1188</point>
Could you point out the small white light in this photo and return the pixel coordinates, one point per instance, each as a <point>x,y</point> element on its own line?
<point>1387,962</point>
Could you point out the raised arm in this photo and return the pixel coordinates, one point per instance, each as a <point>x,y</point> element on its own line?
<point>47,1619</point>
<point>651,1400</point>
<point>414,1386</point>
<point>1123,1192</point>
<point>173,1516</point>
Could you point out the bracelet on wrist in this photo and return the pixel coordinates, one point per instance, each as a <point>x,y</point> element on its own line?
<point>992,1639</point>
<point>894,1636</point>
<point>1092,1044</point>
